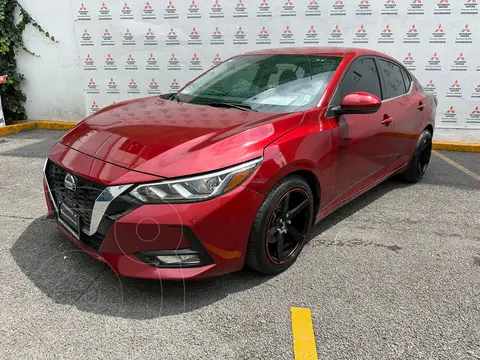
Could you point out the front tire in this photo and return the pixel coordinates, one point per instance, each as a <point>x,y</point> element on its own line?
<point>279,231</point>
<point>420,159</point>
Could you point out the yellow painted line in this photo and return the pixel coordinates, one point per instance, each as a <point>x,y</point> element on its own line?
<point>456,146</point>
<point>19,126</point>
<point>304,347</point>
<point>55,125</point>
<point>12,129</point>
<point>458,166</point>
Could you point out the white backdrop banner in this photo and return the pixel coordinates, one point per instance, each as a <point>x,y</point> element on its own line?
<point>137,48</point>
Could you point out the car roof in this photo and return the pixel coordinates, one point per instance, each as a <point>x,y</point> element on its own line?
<point>327,51</point>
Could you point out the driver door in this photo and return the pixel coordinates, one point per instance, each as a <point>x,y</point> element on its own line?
<point>361,143</point>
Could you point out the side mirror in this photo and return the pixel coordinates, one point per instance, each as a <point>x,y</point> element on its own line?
<point>358,103</point>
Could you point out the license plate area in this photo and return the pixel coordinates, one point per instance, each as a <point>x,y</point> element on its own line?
<point>70,218</point>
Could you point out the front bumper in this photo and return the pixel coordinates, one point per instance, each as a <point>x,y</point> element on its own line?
<point>218,228</point>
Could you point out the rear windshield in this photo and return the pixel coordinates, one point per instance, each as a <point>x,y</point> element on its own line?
<point>266,83</point>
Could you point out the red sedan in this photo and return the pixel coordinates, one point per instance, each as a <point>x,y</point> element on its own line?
<point>237,166</point>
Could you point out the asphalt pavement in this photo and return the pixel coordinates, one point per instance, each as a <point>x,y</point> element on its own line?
<point>393,275</point>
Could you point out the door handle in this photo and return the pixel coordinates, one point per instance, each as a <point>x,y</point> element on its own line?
<point>421,106</point>
<point>387,120</point>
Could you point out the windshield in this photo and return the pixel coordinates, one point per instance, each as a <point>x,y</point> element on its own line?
<point>266,83</point>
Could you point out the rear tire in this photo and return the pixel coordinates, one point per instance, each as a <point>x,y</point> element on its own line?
<point>421,158</point>
<point>280,227</point>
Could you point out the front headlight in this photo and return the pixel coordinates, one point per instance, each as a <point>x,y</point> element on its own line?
<point>196,188</point>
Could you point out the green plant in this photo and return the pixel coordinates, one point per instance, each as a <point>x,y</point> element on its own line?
<point>11,41</point>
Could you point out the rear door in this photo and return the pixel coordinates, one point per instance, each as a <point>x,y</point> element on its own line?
<point>361,144</point>
<point>406,104</point>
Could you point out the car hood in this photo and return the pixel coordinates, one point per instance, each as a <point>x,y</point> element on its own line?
<point>171,139</point>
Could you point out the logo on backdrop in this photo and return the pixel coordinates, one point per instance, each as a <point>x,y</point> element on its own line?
<point>173,63</point>
<point>311,36</point>
<point>313,8</point>
<point>336,36</point>
<point>288,8</point>
<point>172,38</point>
<point>131,63</point>
<point>126,12</point>
<point>150,39</point>
<point>390,8</point>
<point>107,39</point>
<point>193,11</point>
<point>148,11</point>
<point>89,64</point>
<point>239,37</point>
<point>474,117</point>
<point>217,37</point>
<point>174,86</point>
<point>94,107</point>
<point>154,88</point>
<point>170,11</point>
<point>338,8</point>
<point>216,60</point>
<point>110,63</point>
<point>433,63</point>
<point>443,8</point>
<point>363,8</point>
<point>470,7</point>
<point>86,39</point>
<point>361,36</point>
<point>287,36</point>
<point>112,87</point>
<point>194,37</point>
<point>195,63</point>
<point>152,63</point>
<point>455,91</point>
<point>216,11</point>
<point>450,116</point>
<point>464,36</point>
<point>386,36</point>
<point>128,38</point>
<point>476,92</point>
<point>240,10</point>
<point>104,13</point>
<point>264,9</point>
<point>409,62</point>
<point>263,37</point>
<point>416,8</point>
<point>92,87</point>
<point>439,36</point>
<point>412,36</point>
<point>459,64</point>
<point>430,87</point>
<point>133,88</point>
<point>83,13</point>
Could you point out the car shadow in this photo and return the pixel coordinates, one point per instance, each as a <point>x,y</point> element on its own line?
<point>69,276</point>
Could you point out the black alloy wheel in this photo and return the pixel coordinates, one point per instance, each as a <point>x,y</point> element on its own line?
<point>420,159</point>
<point>288,225</point>
<point>281,225</point>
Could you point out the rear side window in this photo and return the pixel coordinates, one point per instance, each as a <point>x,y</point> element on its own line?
<point>392,74</point>
<point>361,76</point>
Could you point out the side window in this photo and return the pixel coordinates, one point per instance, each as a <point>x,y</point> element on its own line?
<point>393,77</point>
<point>406,80</point>
<point>361,76</point>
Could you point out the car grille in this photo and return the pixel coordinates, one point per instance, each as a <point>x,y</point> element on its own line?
<point>81,201</point>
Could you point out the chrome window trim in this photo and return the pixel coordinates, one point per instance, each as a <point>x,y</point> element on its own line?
<point>100,206</point>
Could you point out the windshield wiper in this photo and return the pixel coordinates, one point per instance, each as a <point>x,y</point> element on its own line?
<point>242,107</point>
